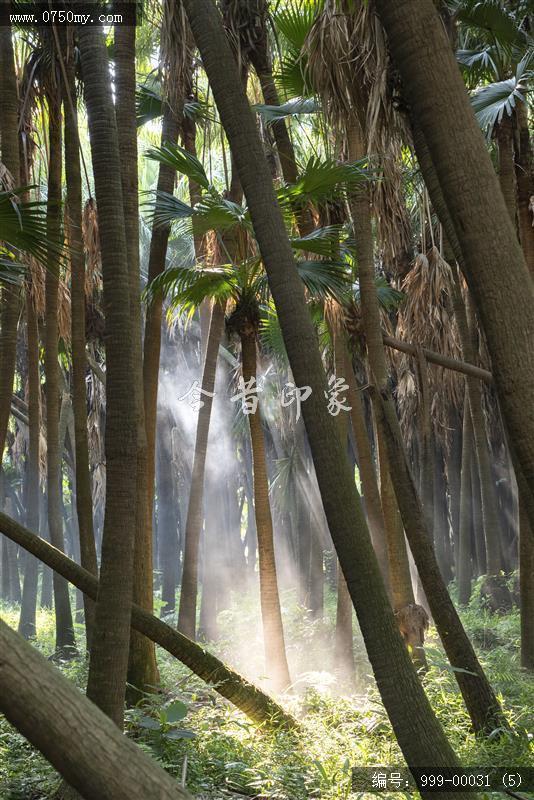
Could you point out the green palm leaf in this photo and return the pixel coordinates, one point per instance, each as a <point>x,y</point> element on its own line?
<point>293,108</point>
<point>188,287</point>
<point>183,162</point>
<point>320,241</point>
<point>321,179</point>
<point>492,102</point>
<point>23,226</point>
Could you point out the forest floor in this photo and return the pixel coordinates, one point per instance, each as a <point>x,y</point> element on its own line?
<point>221,754</point>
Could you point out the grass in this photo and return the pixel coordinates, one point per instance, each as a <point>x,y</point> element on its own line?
<point>220,754</point>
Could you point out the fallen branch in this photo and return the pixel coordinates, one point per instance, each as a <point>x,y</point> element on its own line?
<point>440,360</point>
<point>257,705</point>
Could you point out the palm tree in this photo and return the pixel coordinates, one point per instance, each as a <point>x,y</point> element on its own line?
<point>65,640</point>
<point>142,671</point>
<point>477,210</point>
<point>111,639</point>
<point>84,498</point>
<point>10,295</point>
<point>419,734</point>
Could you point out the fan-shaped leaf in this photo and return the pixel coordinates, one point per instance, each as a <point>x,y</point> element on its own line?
<point>183,162</point>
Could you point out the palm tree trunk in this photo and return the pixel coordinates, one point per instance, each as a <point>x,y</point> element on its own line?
<point>143,672</point>
<point>505,147</point>
<point>189,591</point>
<point>371,493</point>
<point>111,639</point>
<point>344,644</point>
<point>259,706</point>
<point>470,188</point>
<point>9,295</point>
<point>525,184</point>
<point>168,518</point>
<point>31,573</point>
<point>64,627</point>
<point>420,735</point>
<point>273,632</point>
<point>84,497</point>
<point>152,337</point>
<point>463,576</point>
<point>526,575</point>
<point>83,745</point>
<point>363,235</point>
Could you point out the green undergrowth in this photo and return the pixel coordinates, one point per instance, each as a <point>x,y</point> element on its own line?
<point>219,753</point>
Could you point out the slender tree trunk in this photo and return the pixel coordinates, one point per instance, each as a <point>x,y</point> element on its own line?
<point>84,497</point>
<point>344,644</point>
<point>9,295</point>
<point>463,576</point>
<point>439,104</point>
<point>74,735</point>
<point>526,575</point>
<point>31,573</point>
<point>420,736</point>
<point>169,549</point>
<point>273,632</point>
<point>188,595</point>
<point>152,337</point>
<point>259,706</point>
<point>371,493</point>
<point>64,627</point>
<point>109,653</point>
<point>143,673</point>
<point>361,216</point>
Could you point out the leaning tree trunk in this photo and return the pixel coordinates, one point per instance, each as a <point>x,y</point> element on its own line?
<point>188,596</point>
<point>109,653</point>
<point>143,673</point>
<point>260,707</point>
<point>420,735</point>
<point>72,734</point>
<point>64,628</point>
<point>343,641</point>
<point>273,632</point>
<point>84,497</point>
<point>439,104</point>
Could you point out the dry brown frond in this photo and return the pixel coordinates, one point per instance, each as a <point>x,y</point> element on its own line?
<point>426,319</point>
<point>91,244</point>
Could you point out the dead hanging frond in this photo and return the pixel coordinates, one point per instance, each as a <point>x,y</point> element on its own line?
<point>426,318</point>
<point>394,232</point>
<point>177,48</point>
<point>245,25</point>
<point>91,244</point>
<point>7,184</point>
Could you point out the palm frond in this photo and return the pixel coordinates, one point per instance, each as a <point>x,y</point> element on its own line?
<point>321,241</point>
<point>183,162</point>
<point>492,102</point>
<point>325,279</point>
<point>23,225</point>
<point>149,104</point>
<point>293,108</point>
<point>322,178</point>
<point>187,287</point>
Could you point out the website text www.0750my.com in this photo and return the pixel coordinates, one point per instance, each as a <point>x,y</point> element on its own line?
<point>28,15</point>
